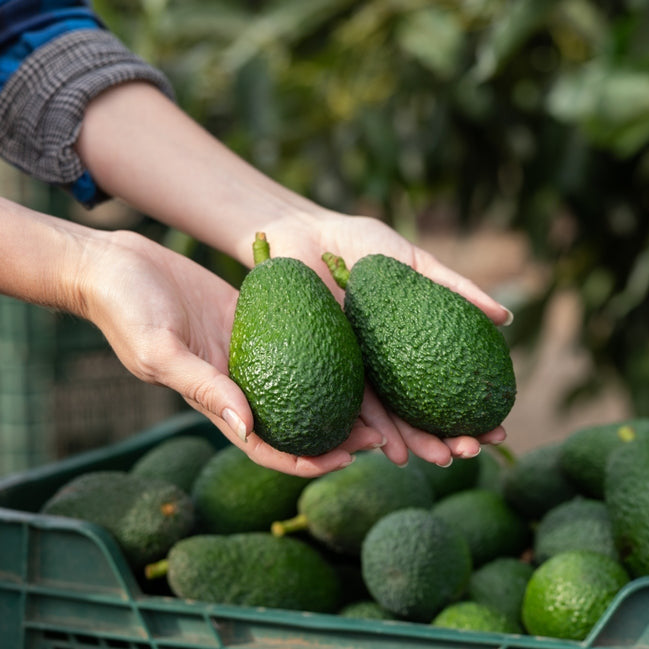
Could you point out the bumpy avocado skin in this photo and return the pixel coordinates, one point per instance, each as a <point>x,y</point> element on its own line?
<point>178,460</point>
<point>434,358</point>
<point>414,563</point>
<point>146,516</point>
<point>253,569</point>
<point>626,494</point>
<point>294,355</point>
<point>343,505</point>
<point>585,452</point>
<point>234,494</point>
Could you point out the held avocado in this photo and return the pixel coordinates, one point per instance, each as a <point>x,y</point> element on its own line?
<point>434,359</point>
<point>294,355</point>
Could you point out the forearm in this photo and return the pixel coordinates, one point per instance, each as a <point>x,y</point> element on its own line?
<point>142,148</point>
<point>41,257</point>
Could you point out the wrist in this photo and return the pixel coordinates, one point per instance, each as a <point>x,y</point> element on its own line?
<point>42,257</point>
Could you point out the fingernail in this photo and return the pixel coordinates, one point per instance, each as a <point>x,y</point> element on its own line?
<point>403,465</point>
<point>351,460</point>
<point>236,423</point>
<point>381,444</point>
<point>468,456</point>
<point>448,464</point>
<point>509,319</point>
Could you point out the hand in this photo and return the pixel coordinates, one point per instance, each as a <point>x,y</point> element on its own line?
<point>169,321</point>
<point>352,238</point>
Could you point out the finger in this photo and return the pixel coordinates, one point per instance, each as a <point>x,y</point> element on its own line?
<point>375,416</point>
<point>222,401</point>
<point>207,389</point>
<point>363,438</point>
<point>425,445</point>
<point>495,436</point>
<point>307,467</point>
<point>462,446</point>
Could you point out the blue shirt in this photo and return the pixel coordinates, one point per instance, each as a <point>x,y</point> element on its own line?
<point>25,25</point>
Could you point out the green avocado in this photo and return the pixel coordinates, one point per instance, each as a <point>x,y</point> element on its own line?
<point>339,508</point>
<point>177,460</point>
<point>585,452</point>
<point>234,494</point>
<point>250,569</point>
<point>295,356</point>
<point>577,524</point>
<point>626,494</point>
<point>146,516</point>
<point>500,584</point>
<point>365,610</point>
<point>535,483</point>
<point>489,525</point>
<point>434,358</point>
<point>475,616</point>
<point>414,563</point>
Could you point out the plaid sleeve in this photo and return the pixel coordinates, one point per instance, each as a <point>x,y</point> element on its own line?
<point>43,102</point>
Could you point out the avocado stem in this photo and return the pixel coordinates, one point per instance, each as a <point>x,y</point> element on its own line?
<point>295,524</point>
<point>157,569</point>
<point>338,269</point>
<point>260,248</point>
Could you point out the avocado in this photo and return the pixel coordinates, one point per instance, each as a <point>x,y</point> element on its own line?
<point>234,494</point>
<point>577,524</point>
<point>339,508</point>
<point>492,467</point>
<point>365,610</point>
<point>177,460</point>
<point>474,616</point>
<point>295,357</point>
<point>433,357</point>
<point>567,594</point>
<point>501,584</point>
<point>626,494</point>
<point>535,483</point>
<point>414,563</point>
<point>585,452</point>
<point>489,525</point>
<point>250,569</point>
<point>145,516</point>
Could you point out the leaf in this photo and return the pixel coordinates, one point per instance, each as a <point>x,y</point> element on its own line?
<point>434,37</point>
<point>284,22</point>
<point>508,33</point>
<point>610,104</point>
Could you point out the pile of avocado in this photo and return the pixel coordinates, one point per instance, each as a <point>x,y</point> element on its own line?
<point>480,545</point>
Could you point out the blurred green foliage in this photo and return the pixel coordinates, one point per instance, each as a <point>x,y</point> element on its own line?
<point>529,114</point>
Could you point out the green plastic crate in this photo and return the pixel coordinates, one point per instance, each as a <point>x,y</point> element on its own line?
<point>64,584</point>
<point>59,385</point>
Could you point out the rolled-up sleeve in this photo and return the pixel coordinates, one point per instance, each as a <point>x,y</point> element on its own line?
<point>43,101</point>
